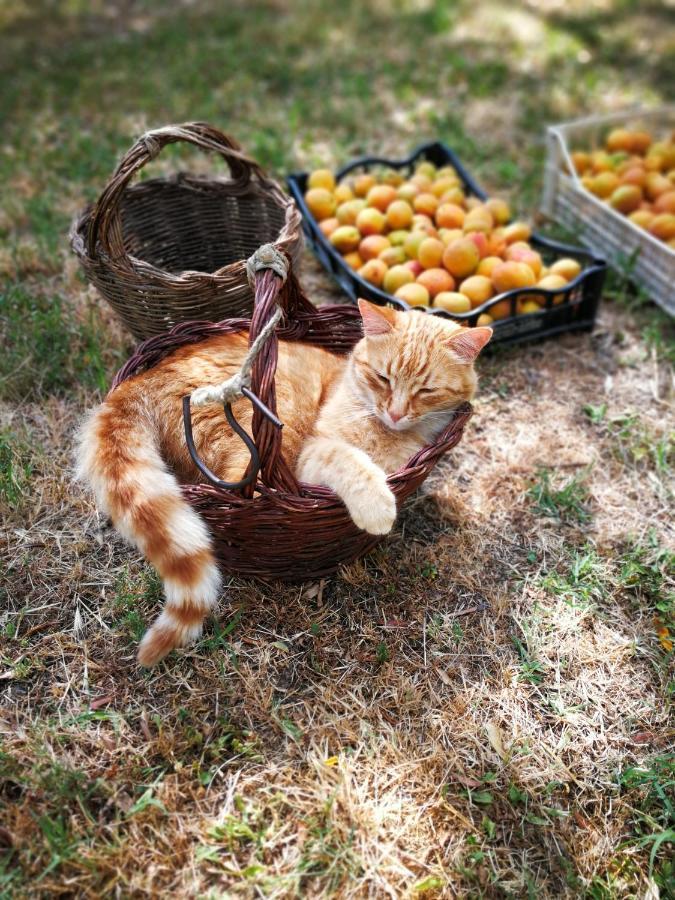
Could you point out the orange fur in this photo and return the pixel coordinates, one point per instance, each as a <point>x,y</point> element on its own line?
<point>348,421</point>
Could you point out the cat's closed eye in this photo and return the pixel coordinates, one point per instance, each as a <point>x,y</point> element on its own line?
<point>383,378</point>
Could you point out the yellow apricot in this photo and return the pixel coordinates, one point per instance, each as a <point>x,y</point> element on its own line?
<point>396,277</point>
<point>487,264</point>
<point>321,178</point>
<point>373,271</point>
<point>363,183</point>
<point>550,283</point>
<point>461,258</point>
<point>353,260</point>
<point>478,288</point>
<point>414,294</point>
<point>345,238</point>
<point>517,231</point>
<point>425,203</point>
<point>484,319</point>
<point>399,214</point>
<point>381,196</point>
<point>320,203</point>
<point>430,253</point>
<point>371,221</point>
<point>348,211</point>
<point>371,246</point>
<point>342,193</point>
<point>328,226</point>
<point>452,301</point>
<point>566,267</point>
<point>512,275</point>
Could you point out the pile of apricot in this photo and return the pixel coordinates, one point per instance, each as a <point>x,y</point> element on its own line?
<point>636,176</point>
<point>424,240</point>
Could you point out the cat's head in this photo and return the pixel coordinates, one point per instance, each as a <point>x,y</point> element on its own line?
<point>413,368</point>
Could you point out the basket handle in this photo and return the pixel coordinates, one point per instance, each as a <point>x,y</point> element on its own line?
<point>105,225</point>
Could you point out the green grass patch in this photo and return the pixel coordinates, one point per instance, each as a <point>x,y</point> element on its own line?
<point>567,504</point>
<point>16,468</point>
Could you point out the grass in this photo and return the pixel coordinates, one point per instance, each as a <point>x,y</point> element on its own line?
<point>483,706</point>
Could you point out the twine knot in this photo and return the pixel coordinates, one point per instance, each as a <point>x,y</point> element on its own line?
<point>151,144</point>
<point>267,257</point>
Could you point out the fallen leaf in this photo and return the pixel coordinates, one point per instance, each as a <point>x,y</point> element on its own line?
<point>495,737</point>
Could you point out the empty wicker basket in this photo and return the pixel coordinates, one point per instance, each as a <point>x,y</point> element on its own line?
<point>276,527</point>
<point>172,249</point>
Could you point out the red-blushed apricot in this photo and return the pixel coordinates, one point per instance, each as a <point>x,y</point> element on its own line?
<point>373,271</point>
<point>478,288</point>
<point>450,215</point>
<point>481,242</point>
<point>663,226</point>
<point>526,255</point>
<point>328,226</point>
<point>479,219</point>
<point>353,260</point>
<point>412,243</point>
<point>640,142</point>
<point>551,282</point>
<point>343,193</point>
<point>566,267</point>
<point>512,275</point>
<point>345,238</point>
<point>396,277</point>
<point>347,212</point>
<point>487,264</point>
<point>635,175</point>
<point>665,203</point>
<point>363,183</point>
<point>381,196</point>
<point>415,267</point>
<point>499,209</point>
<point>581,161</point>
<point>619,139</point>
<point>626,198</point>
<point>430,253</point>
<point>408,191</point>
<point>436,281</point>
<point>516,231</point>
<point>461,258</point>
<point>496,243</point>
<point>320,203</point>
<point>399,214</point>
<point>484,319</point>
<point>371,221</point>
<point>371,246</point>
<point>321,178</point>
<point>414,294</point>
<point>392,256</point>
<point>452,301</point>
<point>425,203</point>
<point>656,184</point>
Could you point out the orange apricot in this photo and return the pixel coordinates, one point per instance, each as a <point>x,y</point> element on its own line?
<point>430,253</point>
<point>399,214</point>
<point>381,196</point>
<point>450,215</point>
<point>373,271</point>
<point>511,275</point>
<point>665,203</point>
<point>461,258</point>
<point>328,226</point>
<point>663,226</point>
<point>320,203</point>
<point>348,211</point>
<point>436,281</point>
<point>363,183</point>
<point>353,260</point>
<point>414,294</point>
<point>372,245</point>
<point>499,210</point>
<point>478,288</point>
<point>425,203</point>
<point>371,221</point>
<point>626,198</point>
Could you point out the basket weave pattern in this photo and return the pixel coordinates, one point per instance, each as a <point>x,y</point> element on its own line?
<point>173,249</point>
<point>280,528</point>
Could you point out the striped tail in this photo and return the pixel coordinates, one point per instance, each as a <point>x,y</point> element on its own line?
<point>118,457</point>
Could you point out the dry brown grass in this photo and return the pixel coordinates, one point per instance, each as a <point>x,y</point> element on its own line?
<point>443,718</point>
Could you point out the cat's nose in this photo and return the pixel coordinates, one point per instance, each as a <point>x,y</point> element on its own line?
<point>395,415</point>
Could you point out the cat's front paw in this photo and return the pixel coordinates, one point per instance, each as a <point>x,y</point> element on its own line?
<point>374,511</point>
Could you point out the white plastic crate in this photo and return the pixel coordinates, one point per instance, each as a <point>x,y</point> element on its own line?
<point>598,225</point>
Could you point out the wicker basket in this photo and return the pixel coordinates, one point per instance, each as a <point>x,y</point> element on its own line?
<point>173,249</point>
<point>276,527</point>
<point>600,227</point>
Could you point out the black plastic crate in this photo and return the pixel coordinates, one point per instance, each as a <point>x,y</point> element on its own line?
<point>576,312</point>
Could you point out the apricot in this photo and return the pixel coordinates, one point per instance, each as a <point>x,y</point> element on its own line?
<point>478,288</point>
<point>342,193</point>
<point>479,219</point>
<point>425,203</point>
<point>353,260</point>
<point>430,253</point>
<point>412,243</point>
<point>415,267</point>
<point>619,139</point>
<point>581,161</point>
<point>551,282</point>
<point>626,198</point>
<point>381,196</point>
<point>665,203</point>
<point>422,181</point>
<point>656,184</point>
<point>450,215</point>
<point>525,255</point>
<point>600,161</point>
<point>373,271</point>
<point>348,211</point>
<point>408,191</point>
<point>663,226</point>
<point>487,264</point>
<point>461,258</point>
<point>640,142</point>
<point>604,184</point>
<point>499,209</point>
<point>511,275</point>
<point>371,246</point>
<point>397,238</point>
<point>396,277</point>
<point>414,294</point>
<point>452,301</point>
<point>448,235</point>
<point>635,175</point>
<point>641,217</point>
<point>345,238</point>
<point>481,242</point>
<point>328,226</point>
<point>665,152</point>
<point>426,167</point>
<point>363,183</point>
<point>436,281</point>
<point>392,177</point>
<point>529,306</point>
<point>565,267</point>
<point>321,178</point>
<point>454,195</point>
<point>399,214</point>
<point>320,203</point>
<point>392,256</point>
<point>496,243</point>
<point>501,310</point>
<point>371,221</point>
<point>516,231</point>
<point>442,185</point>
<point>484,319</point>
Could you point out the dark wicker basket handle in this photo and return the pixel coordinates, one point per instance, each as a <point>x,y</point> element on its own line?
<point>105,225</point>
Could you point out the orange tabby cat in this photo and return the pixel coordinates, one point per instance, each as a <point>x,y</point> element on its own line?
<point>347,422</point>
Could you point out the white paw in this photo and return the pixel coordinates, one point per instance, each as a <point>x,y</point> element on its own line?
<point>374,511</point>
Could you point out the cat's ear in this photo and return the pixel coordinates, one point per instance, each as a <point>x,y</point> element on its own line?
<point>467,343</point>
<point>376,319</point>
